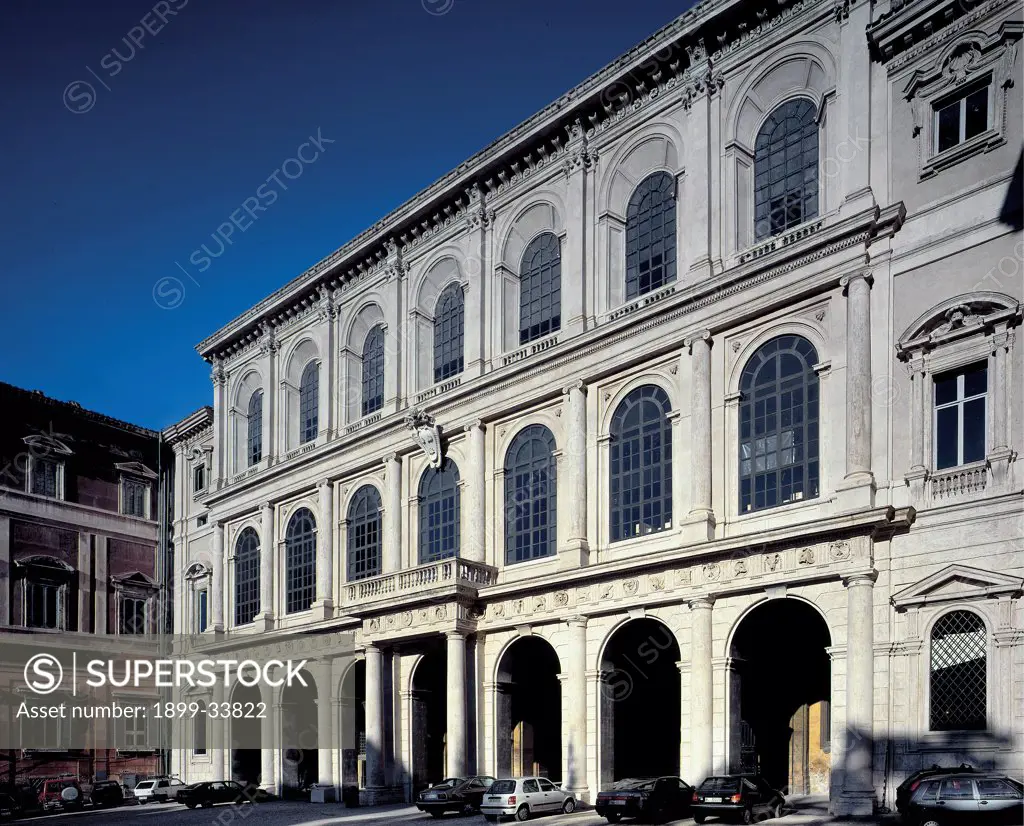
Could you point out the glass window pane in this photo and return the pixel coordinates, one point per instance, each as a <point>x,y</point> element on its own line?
<point>947,438</point>
<point>786,169</point>
<point>974,430</point>
<point>945,388</point>
<point>948,127</point>
<point>651,235</point>
<point>976,113</point>
<point>975,380</point>
<point>300,561</point>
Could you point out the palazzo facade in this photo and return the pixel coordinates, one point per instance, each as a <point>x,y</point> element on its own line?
<point>674,432</point>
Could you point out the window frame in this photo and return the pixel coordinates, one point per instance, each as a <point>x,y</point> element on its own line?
<point>199,478</point>
<point>58,481</point>
<point>249,556</point>
<point>927,662</point>
<point>201,723</point>
<point>636,216</point>
<point>372,367</point>
<point>958,97</point>
<point>762,192</point>
<point>254,429</point>
<point>531,434</point>
<point>540,283</point>
<point>139,598</point>
<point>144,487</point>
<point>449,337</point>
<point>309,403</point>
<point>47,572</point>
<point>448,471</point>
<point>300,562</point>
<point>202,609</point>
<point>369,496</point>
<point>959,403</point>
<point>615,445</point>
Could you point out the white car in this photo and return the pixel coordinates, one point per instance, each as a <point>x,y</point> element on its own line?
<point>522,797</point>
<point>158,790</point>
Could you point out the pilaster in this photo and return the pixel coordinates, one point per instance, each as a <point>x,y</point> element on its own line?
<point>264,620</point>
<point>323,607</point>
<point>575,552</point>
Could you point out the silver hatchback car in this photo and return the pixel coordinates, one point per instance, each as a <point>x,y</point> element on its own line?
<point>522,797</point>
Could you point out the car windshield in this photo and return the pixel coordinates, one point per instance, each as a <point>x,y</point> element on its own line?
<point>145,784</point>
<point>720,784</point>
<point>503,787</point>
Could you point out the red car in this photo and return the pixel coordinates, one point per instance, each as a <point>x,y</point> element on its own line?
<point>61,793</point>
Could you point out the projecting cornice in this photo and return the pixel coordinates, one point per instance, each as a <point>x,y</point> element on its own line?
<point>678,59</point>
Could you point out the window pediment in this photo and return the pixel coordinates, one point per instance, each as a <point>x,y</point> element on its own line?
<point>135,579</point>
<point>135,469</point>
<point>957,582</point>
<point>196,570</point>
<point>46,444</point>
<point>959,317</point>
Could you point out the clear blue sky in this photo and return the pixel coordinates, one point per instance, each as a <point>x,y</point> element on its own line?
<point>98,204</point>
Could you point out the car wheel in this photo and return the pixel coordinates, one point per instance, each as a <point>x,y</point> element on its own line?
<point>436,813</point>
<point>569,806</point>
<point>613,818</point>
<point>208,804</point>
<point>191,805</point>
<point>523,813</point>
<point>142,801</point>
<point>699,818</point>
<point>777,810</point>
<point>930,823</point>
<point>747,816</point>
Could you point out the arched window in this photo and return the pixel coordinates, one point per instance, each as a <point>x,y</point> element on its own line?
<point>786,168</point>
<point>959,662</point>
<point>439,512</point>
<point>373,371</point>
<point>641,464</point>
<point>254,428</point>
<point>300,561</point>
<point>651,235</point>
<point>530,507</point>
<point>309,403</point>
<point>247,577</point>
<point>540,288</point>
<point>448,333</point>
<point>364,534</point>
<point>779,425</point>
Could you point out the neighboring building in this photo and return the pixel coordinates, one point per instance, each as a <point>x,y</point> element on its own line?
<point>673,432</point>
<point>80,563</point>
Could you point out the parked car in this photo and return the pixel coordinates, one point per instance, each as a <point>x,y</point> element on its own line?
<point>106,793</point>
<point>454,795</point>
<point>24,795</point>
<point>745,798</point>
<point>63,793</point>
<point>652,798</point>
<point>521,797</point>
<point>157,790</point>
<point>9,807</point>
<point>966,799</point>
<point>210,792</point>
<point>909,786</point>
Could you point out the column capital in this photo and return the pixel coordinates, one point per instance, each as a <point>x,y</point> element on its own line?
<point>863,578</point>
<point>1002,340</point>
<point>264,506</point>
<point>576,622</point>
<point>693,338</point>
<point>455,635</point>
<point>371,648</point>
<point>324,483</point>
<point>393,456</point>
<point>576,385</point>
<point>701,603</point>
<point>862,274</point>
<point>476,424</point>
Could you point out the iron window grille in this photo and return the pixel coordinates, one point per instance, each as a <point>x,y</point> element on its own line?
<point>641,464</point>
<point>132,615</point>
<point>778,449</point>
<point>247,577</point>
<point>449,321</point>
<point>44,477</point>
<point>960,398</point>
<point>439,512</point>
<point>254,428</point>
<point>651,235</point>
<point>300,561</point>
<point>364,534</point>
<point>530,493</point>
<point>959,662</point>
<point>309,403</point>
<point>786,169</point>
<point>540,288</point>
<point>373,371</point>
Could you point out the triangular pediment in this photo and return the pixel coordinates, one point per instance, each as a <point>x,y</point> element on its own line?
<point>134,578</point>
<point>135,469</point>
<point>957,582</point>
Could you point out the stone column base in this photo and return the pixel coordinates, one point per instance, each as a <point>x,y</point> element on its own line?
<point>381,795</point>
<point>698,526</point>
<point>574,554</point>
<point>582,795</point>
<point>323,609</point>
<point>263,622</point>
<point>854,804</point>
<point>856,492</point>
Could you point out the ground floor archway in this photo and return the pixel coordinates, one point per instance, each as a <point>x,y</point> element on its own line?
<point>352,722</point>
<point>780,696</point>
<point>639,702</point>
<point>428,711</point>
<point>246,765</point>
<point>528,710</point>
<point>299,735</point>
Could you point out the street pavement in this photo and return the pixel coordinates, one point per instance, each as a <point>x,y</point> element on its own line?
<point>806,812</point>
